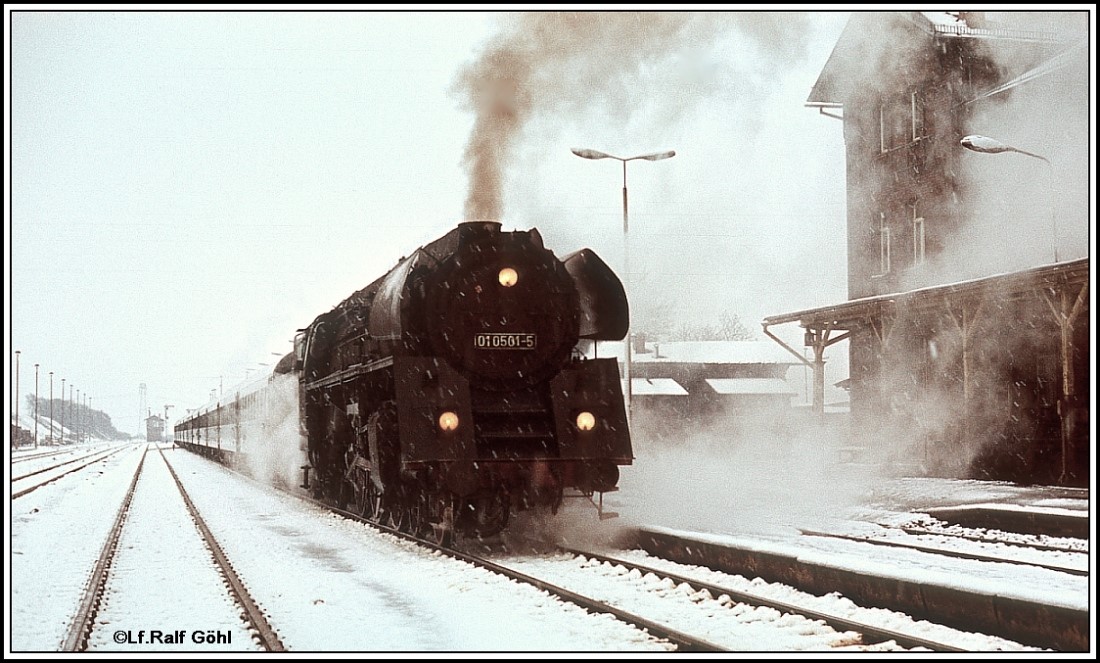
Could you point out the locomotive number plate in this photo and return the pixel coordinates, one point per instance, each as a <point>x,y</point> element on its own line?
<point>497,341</point>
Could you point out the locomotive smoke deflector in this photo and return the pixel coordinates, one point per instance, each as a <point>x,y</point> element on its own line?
<point>605,312</point>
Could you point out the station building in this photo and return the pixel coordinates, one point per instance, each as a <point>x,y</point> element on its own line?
<point>968,267</point>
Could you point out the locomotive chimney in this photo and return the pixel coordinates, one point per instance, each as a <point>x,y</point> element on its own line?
<point>639,344</point>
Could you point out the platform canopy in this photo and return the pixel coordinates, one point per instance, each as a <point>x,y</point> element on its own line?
<point>857,313</point>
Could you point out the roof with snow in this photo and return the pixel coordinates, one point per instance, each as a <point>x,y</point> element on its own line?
<point>751,387</point>
<point>656,387</point>
<point>701,352</point>
<point>862,33</point>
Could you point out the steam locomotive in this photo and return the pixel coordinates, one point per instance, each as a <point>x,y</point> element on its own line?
<point>450,392</point>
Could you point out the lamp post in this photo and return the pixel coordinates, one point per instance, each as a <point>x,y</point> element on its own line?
<point>16,438</point>
<point>656,156</point>
<point>62,410</point>
<point>36,406</point>
<point>987,145</point>
<point>51,408</point>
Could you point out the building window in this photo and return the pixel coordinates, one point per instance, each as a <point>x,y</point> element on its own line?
<point>884,244</point>
<point>918,237</point>
<point>916,111</point>
<point>900,121</point>
<point>882,128</point>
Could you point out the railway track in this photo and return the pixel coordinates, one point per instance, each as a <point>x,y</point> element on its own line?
<point>957,554</point>
<point>20,492</point>
<point>95,608</point>
<point>682,641</point>
<point>43,454</point>
<point>921,531</point>
<point>850,633</point>
<point>61,464</point>
<point>869,633</point>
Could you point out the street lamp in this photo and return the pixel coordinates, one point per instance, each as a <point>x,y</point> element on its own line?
<point>656,156</point>
<point>62,410</point>
<point>987,145</point>
<point>51,408</point>
<point>36,406</point>
<point>17,428</point>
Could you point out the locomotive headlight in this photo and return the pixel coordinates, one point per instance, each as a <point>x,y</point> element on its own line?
<point>508,277</point>
<point>586,421</point>
<point>448,421</point>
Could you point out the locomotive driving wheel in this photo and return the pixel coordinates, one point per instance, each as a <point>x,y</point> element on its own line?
<point>418,516</point>
<point>442,532</point>
<point>490,515</point>
<point>367,499</point>
<point>397,516</point>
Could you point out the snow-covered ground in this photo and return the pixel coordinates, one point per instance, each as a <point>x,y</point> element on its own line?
<point>924,493</point>
<point>56,536</point>
<point>716,619</point>
<point>1015,548</point>
<point>994,578</point>
<point>832,604</point>
<point>29,459</point>
<point>38,470</point>
<point>329,584</point>
<point>163,577</point>
<point>921,521</point>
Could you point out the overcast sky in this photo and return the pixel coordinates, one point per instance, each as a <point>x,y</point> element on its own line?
<point>188,189</point>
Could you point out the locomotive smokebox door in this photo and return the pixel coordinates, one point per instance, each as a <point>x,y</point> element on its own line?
<point>433,410</point>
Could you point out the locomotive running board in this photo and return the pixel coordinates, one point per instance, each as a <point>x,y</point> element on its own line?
<point>349,373</point>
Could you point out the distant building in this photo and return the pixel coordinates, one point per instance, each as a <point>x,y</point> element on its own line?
<point>693,380</point>
<point>154,429</point>
<point>968,318</point>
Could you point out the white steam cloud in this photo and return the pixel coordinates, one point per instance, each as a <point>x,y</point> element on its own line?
<point>569,64</point>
